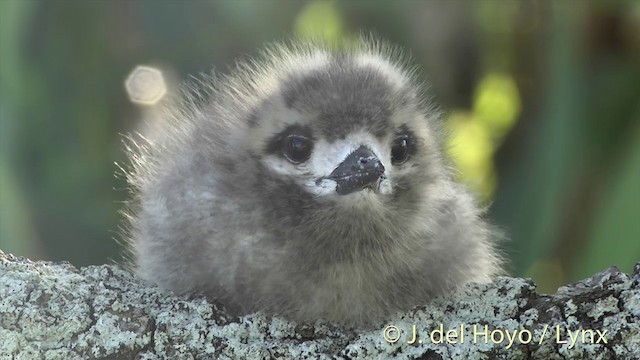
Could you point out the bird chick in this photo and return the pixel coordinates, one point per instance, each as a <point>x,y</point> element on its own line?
<point>309,183</point>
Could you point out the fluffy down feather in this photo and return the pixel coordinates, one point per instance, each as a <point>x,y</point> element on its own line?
<point>218,208</point>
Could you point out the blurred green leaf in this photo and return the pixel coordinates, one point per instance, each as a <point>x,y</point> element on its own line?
<point>615,238</point>
<point>16,229</point>
<point>544,176</point>
<point>17,233</point>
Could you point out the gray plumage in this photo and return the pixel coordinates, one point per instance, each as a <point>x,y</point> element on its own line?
<point>309,183</point>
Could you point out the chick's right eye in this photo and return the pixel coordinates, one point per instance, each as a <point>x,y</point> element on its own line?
<point>297,148</point>
<point>400,150</point>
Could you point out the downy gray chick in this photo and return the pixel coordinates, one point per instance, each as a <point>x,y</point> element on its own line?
<point>309,183</point>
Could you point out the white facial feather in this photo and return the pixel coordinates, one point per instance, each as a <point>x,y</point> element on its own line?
<point>326,157</point>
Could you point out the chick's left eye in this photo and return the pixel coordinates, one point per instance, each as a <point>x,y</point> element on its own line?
<point>297,148</point>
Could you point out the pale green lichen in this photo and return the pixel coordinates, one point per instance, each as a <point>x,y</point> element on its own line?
<point>55,311</point>
<point>608,305</point>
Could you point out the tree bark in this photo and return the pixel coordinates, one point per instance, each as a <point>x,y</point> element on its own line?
<point>56,311</point>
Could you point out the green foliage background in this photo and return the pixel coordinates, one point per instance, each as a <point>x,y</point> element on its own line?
<point>561,79</point>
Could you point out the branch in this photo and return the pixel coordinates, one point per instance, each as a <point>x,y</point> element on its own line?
<point>56,311</point>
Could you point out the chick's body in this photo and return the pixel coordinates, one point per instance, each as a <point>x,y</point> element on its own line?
<point>308,184</point>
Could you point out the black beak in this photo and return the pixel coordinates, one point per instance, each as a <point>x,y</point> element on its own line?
<point>359,170</point>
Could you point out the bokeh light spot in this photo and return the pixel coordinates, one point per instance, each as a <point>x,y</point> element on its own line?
<point>320,19</point>
<point>471,148</point>
<point>497,103</point>
<point>145,85</point>
<point>476,135</point>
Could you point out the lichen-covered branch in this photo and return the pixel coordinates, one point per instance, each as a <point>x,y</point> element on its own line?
<point>56,311</point>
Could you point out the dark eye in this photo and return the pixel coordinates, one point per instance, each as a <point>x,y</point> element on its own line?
<point>400,150</point>
<point>297,148</point>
